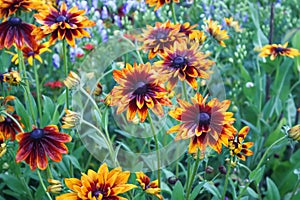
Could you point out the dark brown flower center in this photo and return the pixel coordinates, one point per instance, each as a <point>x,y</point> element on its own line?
<point>141,88</point>
<point>279,50</point>
<point>15,21</point>
<point>30,53</point>
<point>204,118</point>
<point>8,120</point>
<point>37,134</point>
<point>97,193</point>
<point>161,35</point>
<point>179,62</point>
<point>61,18</point>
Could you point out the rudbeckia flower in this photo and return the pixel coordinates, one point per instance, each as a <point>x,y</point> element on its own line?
<point>207,124</point>
<point>5,107</point>
<point>103,184</point>
<point>15,31</point>
<point>9,128</point>
<point>72,81</point>
<point>187,28</point>
<point>274,50</point>
<point>238,147</point>
<point>163,35</point>
<point>159,3</point>
<point>62,24</point>
<point>147,186</point>
<point>70,120</point>
<point>294,132</point>
<point>139,89</point>
<point>184,63</point>
<point>215,30</point>
<point>233,24</point>
<point>9,7</point>
<point>12,78</point>
<point>35,146</point>
<point>197,36</point>
<point>31,53</point>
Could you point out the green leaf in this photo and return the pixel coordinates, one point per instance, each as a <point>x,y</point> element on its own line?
<point>257,174</point>
<point>178,192</point>
<point>272,191</point>
<point>211,188</point>
<point>252,192</point>
<point>21,111</point>
<point>48,110</point>
<point>196,191</point>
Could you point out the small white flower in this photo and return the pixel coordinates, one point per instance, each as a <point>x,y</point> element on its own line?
<point>249,84</point>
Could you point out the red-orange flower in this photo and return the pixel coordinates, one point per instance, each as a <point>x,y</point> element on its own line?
<point>159,3</point>
<point>9,128</point>
<point>15,31</point>
<point>9,7</point>
<point>162,36</point>
<point>62,24</point>
<point>35,146</point>
<point>139,89</point>
<point>183,62</point>
<point>238,147</point>
<point>104,184</point>
<point>207,124</point>
<point>147,186</point>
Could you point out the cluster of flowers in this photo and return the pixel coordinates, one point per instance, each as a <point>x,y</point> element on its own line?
<point>141,87</point>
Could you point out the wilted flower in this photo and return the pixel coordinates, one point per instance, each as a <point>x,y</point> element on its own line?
<point>238,147</point>
<point>72,81</point>
<point>35,146</point>
<point>103,184</point>
<point>70,120</point>
<point>215,30</point>
<point>62,24</point>
<point>12,78</point>
<point>139,89</point>
<point>294,132</point>
<point>147,186</point>
<point>274,50</point>
<point>55,187</point>
<point>207,124</point>
<point>98,90</point>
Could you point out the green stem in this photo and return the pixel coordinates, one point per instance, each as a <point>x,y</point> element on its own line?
<point>26,186</point>
<point>66,70</point>
<point>88,163</point>
<point>38,92</point>
<point>43,185</point>
<point>193,175</point>
<point>226,180</point>
<point>27,88</point>
<point>261,162</point>
<point>184,90</point>
<point>156,148</point>
<point>173,12</point>
<point>295,189</point>
<point>49,173</point>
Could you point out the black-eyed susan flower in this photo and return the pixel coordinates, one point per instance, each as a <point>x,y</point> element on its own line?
<point>159,3</point>
<point>98,90</point>
<point>147,186</point>
<point>184,63</point>
<point>163,35</point>
<point>215,31</point>
<point>238,147</point>
<point>70,120</point>
<point>9,7</point>
<point>12,78</point>
<point>4,107</point>
<point>139,89</point>
<point>15,31</point>
<point>274,50</point>
<point>197,36</point>
<point>72,81</point>
<point>187,28</point>
<point>3,147</point>
<point>35,146</point>
<point>294,132</point>
<point>207,124</point>
<point>62,24</point>
<point>103,184</point>
<point>9,128</point>
<point>31,53</point>
<point>233,24</point>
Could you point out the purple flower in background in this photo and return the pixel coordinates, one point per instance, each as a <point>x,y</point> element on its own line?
<point>245,18</point>
<point>83,5</point>
<point>56,60</point>
<point>75,52</point>
<point>117,20</point>
<point>104,13</point>
<point>95,3</point>
<point>110,3</point>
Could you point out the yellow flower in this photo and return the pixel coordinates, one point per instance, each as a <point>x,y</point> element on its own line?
<point>215,30</point>
<point>147,186</point>
<point>72,81</point>
<point>294,132</point>
<point>2,149</point>
<point>12,78</point>
<point>55,187</point>
<point>238,147</point>
<point>103,184</point>
<point>275,50</point>
<point>159,3</point>
<point>70,120</point>
<point>197,36</point>
<point>234,24</point>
